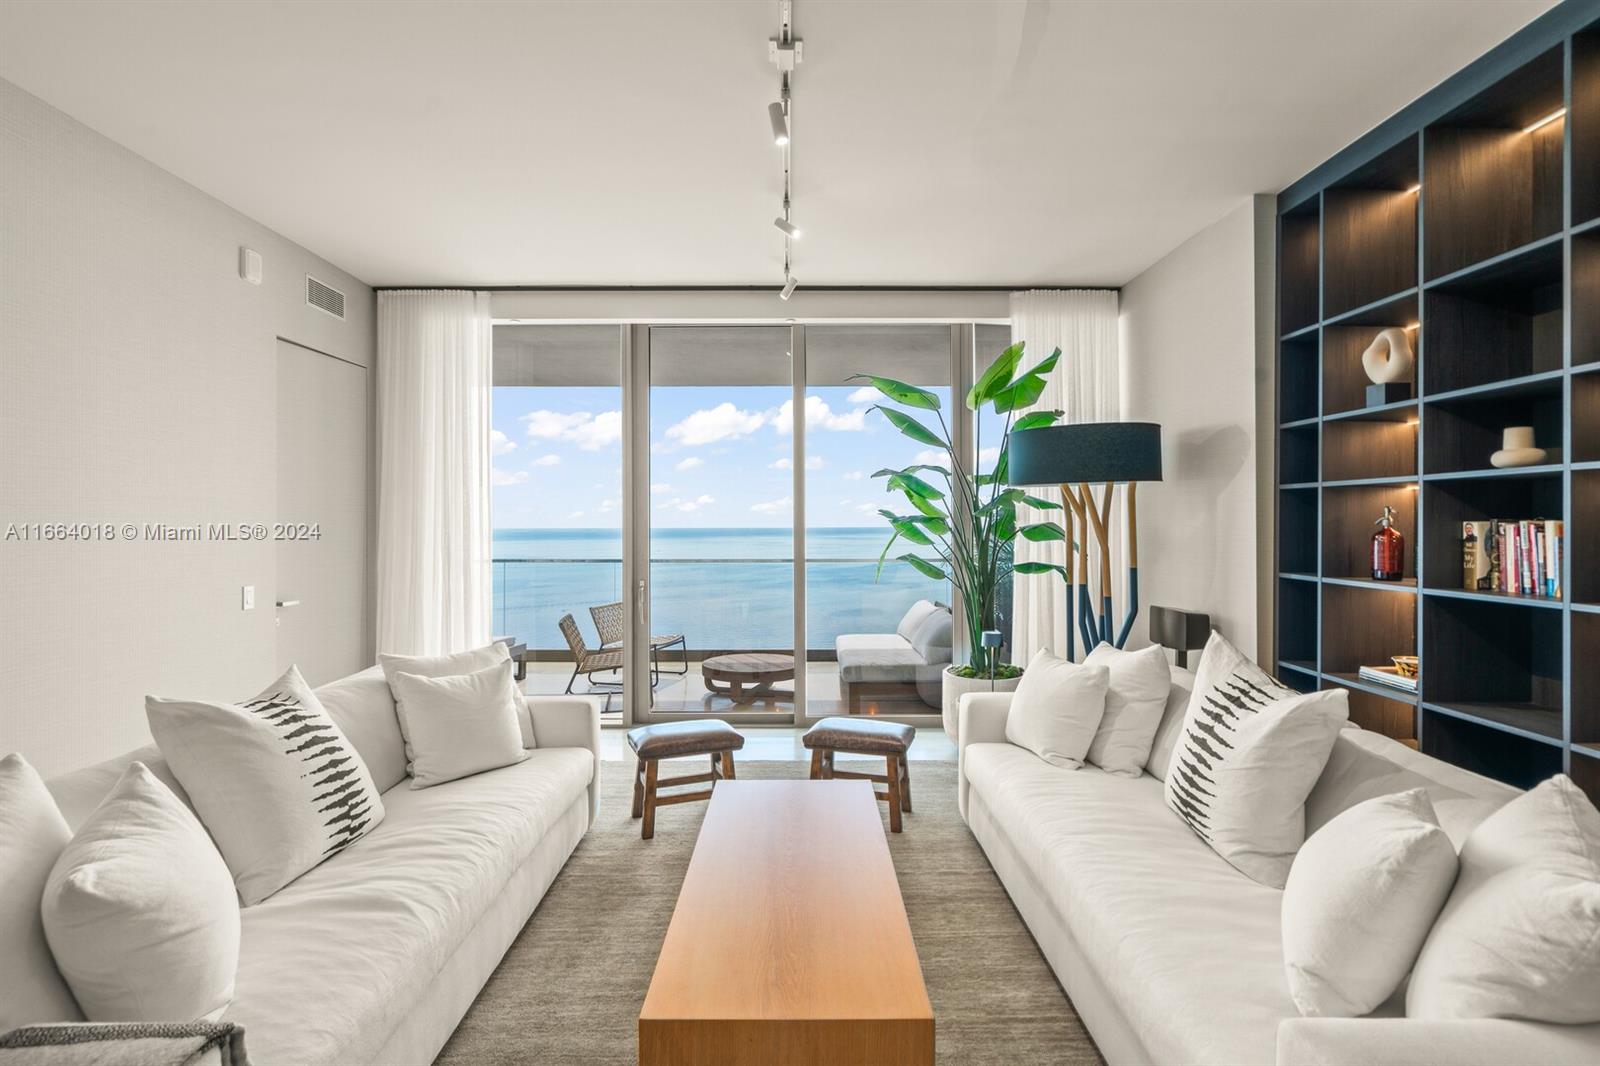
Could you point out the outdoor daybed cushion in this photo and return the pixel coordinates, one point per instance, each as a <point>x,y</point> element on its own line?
<point>877,657</point>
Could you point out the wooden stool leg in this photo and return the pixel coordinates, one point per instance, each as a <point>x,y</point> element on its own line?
<point>892,771</point>
<point>638,789</point>
<point>727,765</point>
<point>816,764</point>
<point>649,830</point>
<point>905,784</point>
<point>716,764</point>
<point>827,765</point>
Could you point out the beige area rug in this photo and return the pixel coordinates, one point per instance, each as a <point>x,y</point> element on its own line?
<point>570,988</point>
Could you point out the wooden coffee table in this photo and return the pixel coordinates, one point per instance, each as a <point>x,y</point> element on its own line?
<point>755,670</point>
<point>789,944</point>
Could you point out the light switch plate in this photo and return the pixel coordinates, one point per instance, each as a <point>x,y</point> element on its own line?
<point>247,597</point>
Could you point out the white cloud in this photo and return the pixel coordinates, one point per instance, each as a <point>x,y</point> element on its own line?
<point>659,487</point>
<point>547,460</point>
<point>854,475</point>
<point>498,477</point>
<point>933,457</point>
<point>690,463</point>
<point>722,422</point>
<point>500,444</point>
<point>606,505</point>
<point>574,514</point>
<point>591,432</point>
<point>988,455</point>
<point>778,506</point>
<point>687,506</point>
<point>867,508</point>
<point>819,416</point>
<point>865,395</point>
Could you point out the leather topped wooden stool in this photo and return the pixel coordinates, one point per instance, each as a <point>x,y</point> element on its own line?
<point>677,740</point>
<point>866,736</point>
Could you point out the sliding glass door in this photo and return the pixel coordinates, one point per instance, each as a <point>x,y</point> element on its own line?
<point>717,503</point>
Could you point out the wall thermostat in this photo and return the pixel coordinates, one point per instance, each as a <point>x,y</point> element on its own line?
<point>250,265</point>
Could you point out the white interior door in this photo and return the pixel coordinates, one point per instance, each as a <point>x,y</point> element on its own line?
<point>324,486</point>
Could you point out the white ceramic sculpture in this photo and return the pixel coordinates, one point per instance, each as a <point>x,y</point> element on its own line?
<point>1388,357</point>
<point>1516,448</point>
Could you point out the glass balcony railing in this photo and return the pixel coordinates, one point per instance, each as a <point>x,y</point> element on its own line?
<point>717,604</point>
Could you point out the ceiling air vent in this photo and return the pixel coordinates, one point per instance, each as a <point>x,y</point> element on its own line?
<point>324,297</point>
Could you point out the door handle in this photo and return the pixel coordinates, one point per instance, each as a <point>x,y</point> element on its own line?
<point>638,599</point>
<point>287,603</point>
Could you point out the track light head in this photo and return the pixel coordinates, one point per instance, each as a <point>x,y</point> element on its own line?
<point>780,123</point>
<point>788,287</point>
<point>789,229</point>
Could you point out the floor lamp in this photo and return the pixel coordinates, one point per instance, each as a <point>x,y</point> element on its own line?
<point>1077,457</point>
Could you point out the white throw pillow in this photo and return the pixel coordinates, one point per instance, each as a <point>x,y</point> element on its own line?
<point>1135,698</point>
<point>1250,752</point>
<point>1362,894</point>
<point>932,640</point>
<point>274,779</point>
<point>140,912</point>
<point>32,837</point>
<point>1520,934</point>
<point>458,725</point>
<point>461,662</point>
<point>1056,708</point>
<point>914,618</point>
<point>1171,727</point>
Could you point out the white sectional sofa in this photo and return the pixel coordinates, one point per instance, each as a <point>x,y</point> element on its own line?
<point>1168,953</point>
<point>375,955</point>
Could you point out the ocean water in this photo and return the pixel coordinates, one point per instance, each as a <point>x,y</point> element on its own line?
<point>724,589</point>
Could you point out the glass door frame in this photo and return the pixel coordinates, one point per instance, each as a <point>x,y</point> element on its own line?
<point>638,705</point>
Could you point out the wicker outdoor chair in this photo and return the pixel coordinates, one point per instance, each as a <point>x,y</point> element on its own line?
<point>588,662</point>
<point>608,622</point>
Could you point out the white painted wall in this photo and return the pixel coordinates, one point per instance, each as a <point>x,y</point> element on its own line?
<point>1196,341</point>
<point>137,384</point>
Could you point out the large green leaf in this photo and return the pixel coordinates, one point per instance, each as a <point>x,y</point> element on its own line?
<point>1023,392</point>
<point>1041,504</point>
<point>886,472</point>
<point>1041,568</point>
<point>1043,531</point>
<point>1002,500</point>
<point>930,569</point>
<point>1035,419</point>
<point>1047,364</point>
<point>1005,525</point>
<point>911,427</point>
<point>927,507</point>
<point>997,377</point>
<point>901,392</point>
<point>885,554</point>
<point>912,485</point>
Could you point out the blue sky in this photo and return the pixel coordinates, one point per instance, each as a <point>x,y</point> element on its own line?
<point>720,457</point>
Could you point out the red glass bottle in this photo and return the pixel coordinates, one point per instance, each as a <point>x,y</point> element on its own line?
<point>1388,549</point>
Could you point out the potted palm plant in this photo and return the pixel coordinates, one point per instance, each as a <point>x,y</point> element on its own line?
<point>960,524</point>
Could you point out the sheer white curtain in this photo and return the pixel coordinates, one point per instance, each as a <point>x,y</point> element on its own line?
<point>1083,324</point>
<point>434,584</point>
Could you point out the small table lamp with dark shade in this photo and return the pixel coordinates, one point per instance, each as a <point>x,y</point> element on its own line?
<point>1076,457</point>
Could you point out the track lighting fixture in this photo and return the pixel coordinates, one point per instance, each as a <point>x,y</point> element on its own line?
<point>788,287</point>
<point>780,123</point>
<point>790,230</point>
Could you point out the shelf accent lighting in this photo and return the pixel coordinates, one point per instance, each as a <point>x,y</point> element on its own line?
<point>1558,113</point>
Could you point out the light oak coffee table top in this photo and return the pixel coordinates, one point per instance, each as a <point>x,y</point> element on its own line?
<point>790,942</point>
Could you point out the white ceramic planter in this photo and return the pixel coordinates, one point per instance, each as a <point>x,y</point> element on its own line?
<point>956,687</point>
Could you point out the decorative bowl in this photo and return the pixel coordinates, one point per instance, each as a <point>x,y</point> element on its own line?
<point>1405,665</point>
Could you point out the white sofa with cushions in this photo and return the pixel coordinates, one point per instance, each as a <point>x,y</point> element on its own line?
<point>886,664</point>
<point>374,955</point>
<point>1168,953</point>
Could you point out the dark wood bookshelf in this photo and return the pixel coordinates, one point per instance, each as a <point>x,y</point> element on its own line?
<point>1472,220</point>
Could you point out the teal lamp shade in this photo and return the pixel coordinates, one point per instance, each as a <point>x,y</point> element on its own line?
<point>1091,453</point>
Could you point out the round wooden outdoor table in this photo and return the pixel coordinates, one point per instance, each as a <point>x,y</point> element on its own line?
<point>750,670</point>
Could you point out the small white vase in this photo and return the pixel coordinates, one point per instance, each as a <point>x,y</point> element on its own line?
<point>955,687</point>
<point>1516,449</point>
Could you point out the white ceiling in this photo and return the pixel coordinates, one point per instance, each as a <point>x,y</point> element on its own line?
<point>625,143</point>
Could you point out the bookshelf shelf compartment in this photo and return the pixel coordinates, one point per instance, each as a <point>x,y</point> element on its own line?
<point>1297,378</point>
<point>1299,262</point>
<point>1585,302</point>
<point>1492,185</point>
<point>1464,432</point>
<point>1496,324</point>
<point>1583,533</point>
<point>1369,231</point>
<point>1360,628</point>
<point>1517,760</point>
<point>1354,450</point>
<point>1449,502</point>
<point>1297,455</point>
<point>1349,517</point>
<point>1297,610</point>
<point>1586,681</point>
<point>1585,118</point>
<point>1494,662</point>
<point>1297,525</point>
<point>1344,380</point>
<point>1371,707</point>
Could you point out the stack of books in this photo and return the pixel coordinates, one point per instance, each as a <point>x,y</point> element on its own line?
<point>1388,676</point>
<point>1519,557</point>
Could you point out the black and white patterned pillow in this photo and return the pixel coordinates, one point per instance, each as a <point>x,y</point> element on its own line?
<point>273,779</point>
<point>1249,753</point>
